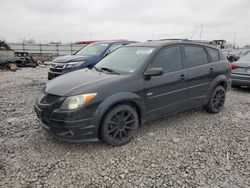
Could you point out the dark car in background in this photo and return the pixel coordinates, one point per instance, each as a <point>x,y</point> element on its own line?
<point>135,84</point>
<point>7,55</point>
<point>241,75</point>
<point>86,57</point>
<point>231,55</point>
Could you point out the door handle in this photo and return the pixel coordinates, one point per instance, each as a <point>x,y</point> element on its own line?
<point>211,70</point>
<point>182,77</point>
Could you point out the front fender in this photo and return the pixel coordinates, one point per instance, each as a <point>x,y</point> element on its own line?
<point>115,99</point>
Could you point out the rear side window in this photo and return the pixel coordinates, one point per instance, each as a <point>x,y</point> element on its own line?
<point>169,59</point>
<point>213,54</point>
<point>195,56</point>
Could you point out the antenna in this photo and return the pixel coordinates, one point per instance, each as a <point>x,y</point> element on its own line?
<point>234,40</point>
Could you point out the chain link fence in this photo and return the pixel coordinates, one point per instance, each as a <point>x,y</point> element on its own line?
<point>56,49</point>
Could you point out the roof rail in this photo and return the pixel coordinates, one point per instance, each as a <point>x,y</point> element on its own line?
<point>174,39</point>
<point>204,41</point>
<point>197,41</point>
<point>167,39</point>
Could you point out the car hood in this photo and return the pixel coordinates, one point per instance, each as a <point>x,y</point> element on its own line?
<point>71,58</point>
<point>78,82</point>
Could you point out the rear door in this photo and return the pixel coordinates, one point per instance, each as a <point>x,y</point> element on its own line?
<point>200,73</point>
<point>167,93</point>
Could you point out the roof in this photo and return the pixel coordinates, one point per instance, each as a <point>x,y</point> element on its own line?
<point>85,41</point>
<point>104,41</point>
<point>149,43</point>
<point>116,41</point>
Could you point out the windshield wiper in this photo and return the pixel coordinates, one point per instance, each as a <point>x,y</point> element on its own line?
<point>97,69</point>
<point>109,70</point>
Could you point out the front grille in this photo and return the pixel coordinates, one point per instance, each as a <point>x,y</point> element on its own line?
<point>57,67</point>
<point>49,98</point>
<point>56,70</point>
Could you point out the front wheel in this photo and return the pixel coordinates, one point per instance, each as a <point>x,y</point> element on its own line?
<point>216,100</point>
<point>119,125</point>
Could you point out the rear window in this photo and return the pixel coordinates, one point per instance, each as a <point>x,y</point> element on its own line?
<point>213,54</point>
<point>195,55</point>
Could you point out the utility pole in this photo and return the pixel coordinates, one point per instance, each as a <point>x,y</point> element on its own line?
<point>201,31</point>
<point>91,36</point>
<point>194,32</point>
<point>234,40</point>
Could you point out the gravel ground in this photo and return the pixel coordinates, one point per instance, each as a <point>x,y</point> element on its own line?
<point>189,149</point>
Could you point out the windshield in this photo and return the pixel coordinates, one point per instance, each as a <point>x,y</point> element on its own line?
<point>93,49</point>
<point>125,59</point>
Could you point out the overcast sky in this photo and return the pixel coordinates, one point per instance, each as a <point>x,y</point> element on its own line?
<point>72,20</point>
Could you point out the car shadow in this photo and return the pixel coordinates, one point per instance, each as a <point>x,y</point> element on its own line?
<point>241,89</point>
<point>142,133</point>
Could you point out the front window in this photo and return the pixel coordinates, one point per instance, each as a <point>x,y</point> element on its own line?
<point>126,59</point>
<point>169,59</point>
<point>93,49</point>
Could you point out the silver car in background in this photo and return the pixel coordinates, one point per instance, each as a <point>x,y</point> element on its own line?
<point>241,74</point>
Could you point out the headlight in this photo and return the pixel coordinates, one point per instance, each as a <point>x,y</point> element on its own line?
<point>74,64</point>
<point>77,101</point>
<point>52,65</point>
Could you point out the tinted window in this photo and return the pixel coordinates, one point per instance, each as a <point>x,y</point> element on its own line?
<point>169,59</point>
<point>93,49</point>
<point>195,55</point>
<point>213,53</point>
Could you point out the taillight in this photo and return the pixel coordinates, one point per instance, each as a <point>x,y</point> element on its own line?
<point>232,66</point>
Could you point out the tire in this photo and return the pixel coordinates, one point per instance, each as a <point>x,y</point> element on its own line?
<point>216,100</point>
<point>119,125</point>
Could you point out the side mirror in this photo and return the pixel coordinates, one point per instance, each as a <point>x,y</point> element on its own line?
<point>153,72</point>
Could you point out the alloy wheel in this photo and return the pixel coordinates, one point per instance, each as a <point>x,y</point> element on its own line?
<point>218,99</point>
<point>122,125</point>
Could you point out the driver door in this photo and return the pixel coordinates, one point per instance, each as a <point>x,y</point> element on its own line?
<point>167,93</point>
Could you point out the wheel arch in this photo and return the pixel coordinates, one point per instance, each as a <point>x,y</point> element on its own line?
<point>128,98</point>
<point>219,80</point>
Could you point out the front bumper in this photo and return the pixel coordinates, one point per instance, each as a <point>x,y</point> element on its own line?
<point>240,79</point>
<point>71,126</point>
<point>53,73</point>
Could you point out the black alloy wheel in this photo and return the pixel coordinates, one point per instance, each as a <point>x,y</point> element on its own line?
<point>119,125</point>
<point>217,100</point>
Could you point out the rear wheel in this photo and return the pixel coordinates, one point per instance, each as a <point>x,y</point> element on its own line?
<point>216,100</point>
<point>119,125</point>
